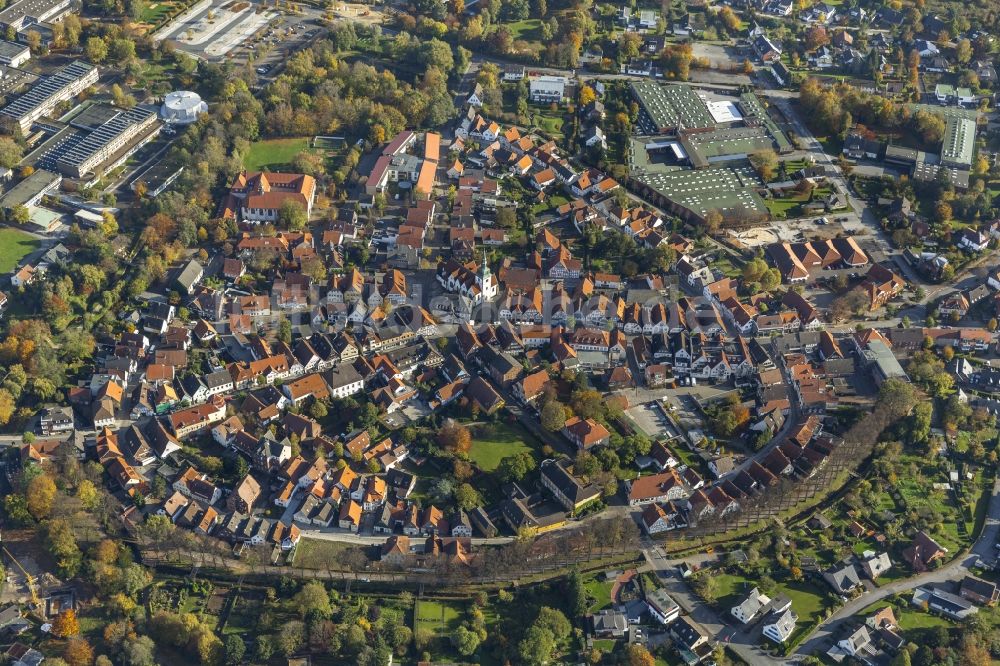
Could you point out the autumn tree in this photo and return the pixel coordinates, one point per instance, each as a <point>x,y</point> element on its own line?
<point>7,406</point>
<point>78,652</point>
<point>943,211</point>
<point>963,51</point>
<point>65,624</point>
<point>41,495</point>
<point>713,221</point>
<point>455,437</point>
<point>587,95</point>
<point>639,656</point>
<point>816,37</point>
<point>96,50</point>
<point>765,162</point>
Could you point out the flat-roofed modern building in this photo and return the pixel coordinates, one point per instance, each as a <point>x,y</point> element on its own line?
<point>547,88</point>
<point>13,54</point>
<point>959,142</point>
<point>66,83</point>
<point>29,192</point>
<point>93,152</point>
<point>27,12</point>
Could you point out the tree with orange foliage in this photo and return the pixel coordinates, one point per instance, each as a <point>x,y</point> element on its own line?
<point>639,656</point>
<point>78,652</point>
<point>41,494</point>
<point>455,437</point>
<point>65,624</point>
<point>106,552</point>
<point>7,406</point>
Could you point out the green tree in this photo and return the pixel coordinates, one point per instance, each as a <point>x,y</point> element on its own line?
<point>312,599</point>
<point>284,333</point>
<point>466,641</point>
<point>467,497</point>
<point>515,467</point>
<point>62,545</point>
<point>20,214</point>
<point>292,216</point>
<point>553,416</point>
<point>10,152</point>
<point>902,658</point>
<point>235,650</point>
<point>139,651</point>
<point>554,621</point>
<point>576,594</point>
<point>537,646</point>
<point>96,50</point>
<point>15,508</point>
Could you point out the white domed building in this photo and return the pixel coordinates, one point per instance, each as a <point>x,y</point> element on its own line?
<point>182,107</point>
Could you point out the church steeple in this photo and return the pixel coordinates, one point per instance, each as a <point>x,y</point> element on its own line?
<point>484,274</point>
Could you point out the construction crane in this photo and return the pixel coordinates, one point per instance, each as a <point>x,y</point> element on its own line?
<point>28,578</point>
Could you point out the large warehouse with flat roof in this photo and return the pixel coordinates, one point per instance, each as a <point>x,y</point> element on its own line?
<point>692,150</point>
<point>959,142</point>
<point>695,193</point>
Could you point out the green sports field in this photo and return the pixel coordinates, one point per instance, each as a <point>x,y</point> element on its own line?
<point>14,245</point>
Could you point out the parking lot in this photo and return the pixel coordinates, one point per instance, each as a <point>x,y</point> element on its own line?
<point>219,29</point>
<point>651,420</point>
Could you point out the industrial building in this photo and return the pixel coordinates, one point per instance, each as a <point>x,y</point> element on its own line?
<point>64,84</point>
<point>959,142</point>
<point>691,155</point>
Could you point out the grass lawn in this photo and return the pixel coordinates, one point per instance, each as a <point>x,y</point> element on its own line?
<point>600,592</point>
<point>909,617</point>
<point>785,207</point>
<point>529,30</point>
<point>492,443</point>
<point>807,600</point>
<point>551,203</point>
<point>548,121</point>
<point>317,553</point>
<point>550,125</point>
<point>154,12</point>
<point>725,264</point>
<point>438,617</point>
<point>273,153</point>
<point>918,619</point>
<point>605,645</point>
<point>14,245</point>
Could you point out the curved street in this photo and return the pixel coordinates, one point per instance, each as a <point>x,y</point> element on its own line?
<point>954,571</point>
